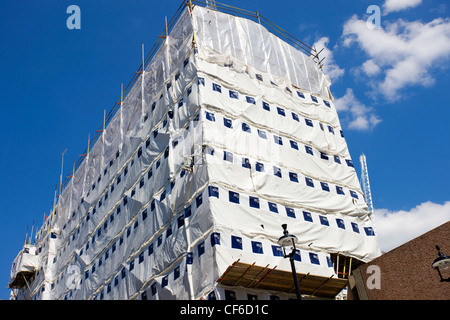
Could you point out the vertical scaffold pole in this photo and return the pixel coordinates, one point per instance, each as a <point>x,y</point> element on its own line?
<point>121,116</point>
<point>143,82</point>
<point>62,169</point>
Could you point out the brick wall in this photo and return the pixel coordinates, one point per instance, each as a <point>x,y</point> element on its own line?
<point>406,272</point>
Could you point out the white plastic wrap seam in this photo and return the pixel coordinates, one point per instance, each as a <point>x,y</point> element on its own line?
<point>258,158</point>
<point>226,114</point>
<point>293,100</point>
<point>276,211</point>
<point>259,106</point>
<point>329,161</point>
<point>274,149</point>
<point>335,231</point>
<point>257,87</point>
<point>287,174</point>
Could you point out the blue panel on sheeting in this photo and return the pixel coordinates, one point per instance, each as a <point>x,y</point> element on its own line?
<point>277,172</point>
<point>246,127</point>
<point>294,145</point>
<point>236,242</point>
<point>325,186</point>
<point>277,251</point>
<point>324,221</point>
<point>227,156</point>
<point>210,116</point>
<point>297,255</point>
<point>228,123</point>
<point>307,216</point>
<point>369,231</point>
<point>257,247</point>
<point>262,134</point>
<point>254,202</point>
<point>250,100</point>
<point>234,94</point>
<point>217,87</point>
<point>215,239</point>
<point>259,167</point>
<point>293,177</point>
<point>314,258</point>
<point>355,227</point>
<point>340,223</point>
<point>199,200</point>
<point>233,196</point>
<point>290,212</point>
<point>213,191</point>
<point>201,248</point>
<point>273,207</point>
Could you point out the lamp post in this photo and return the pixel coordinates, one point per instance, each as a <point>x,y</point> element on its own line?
<point>286,241</point>
<point>441,262</point>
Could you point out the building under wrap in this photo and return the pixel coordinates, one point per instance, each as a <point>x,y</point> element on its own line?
<point>229,133</point>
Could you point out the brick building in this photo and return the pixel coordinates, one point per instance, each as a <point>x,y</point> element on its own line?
<point>405,273</point>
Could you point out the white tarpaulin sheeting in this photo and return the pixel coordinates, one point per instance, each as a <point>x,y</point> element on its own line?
<point>202,169</point>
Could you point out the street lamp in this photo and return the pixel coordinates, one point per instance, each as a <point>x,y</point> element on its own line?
<point>286,241</point>
<point>440,263</point>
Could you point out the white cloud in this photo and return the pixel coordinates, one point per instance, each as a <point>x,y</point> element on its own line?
<point>360,117</point>
<point>398,5</point>
<point>370,68</point>
<point>395,228</point>
<point>402,54</point>
<point>329,65</point>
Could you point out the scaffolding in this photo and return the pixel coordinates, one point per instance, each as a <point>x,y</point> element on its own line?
<point>270,278</point>
<point>255,16</point>
<point>150,197</point>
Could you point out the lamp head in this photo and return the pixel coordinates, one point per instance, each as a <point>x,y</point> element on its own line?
<point>287,240</point>
<point>442,261</point>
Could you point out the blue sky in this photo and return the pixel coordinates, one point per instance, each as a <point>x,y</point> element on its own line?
<point>390,87</point>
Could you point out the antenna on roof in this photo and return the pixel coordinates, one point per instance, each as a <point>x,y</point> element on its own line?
<point>365,182</point>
